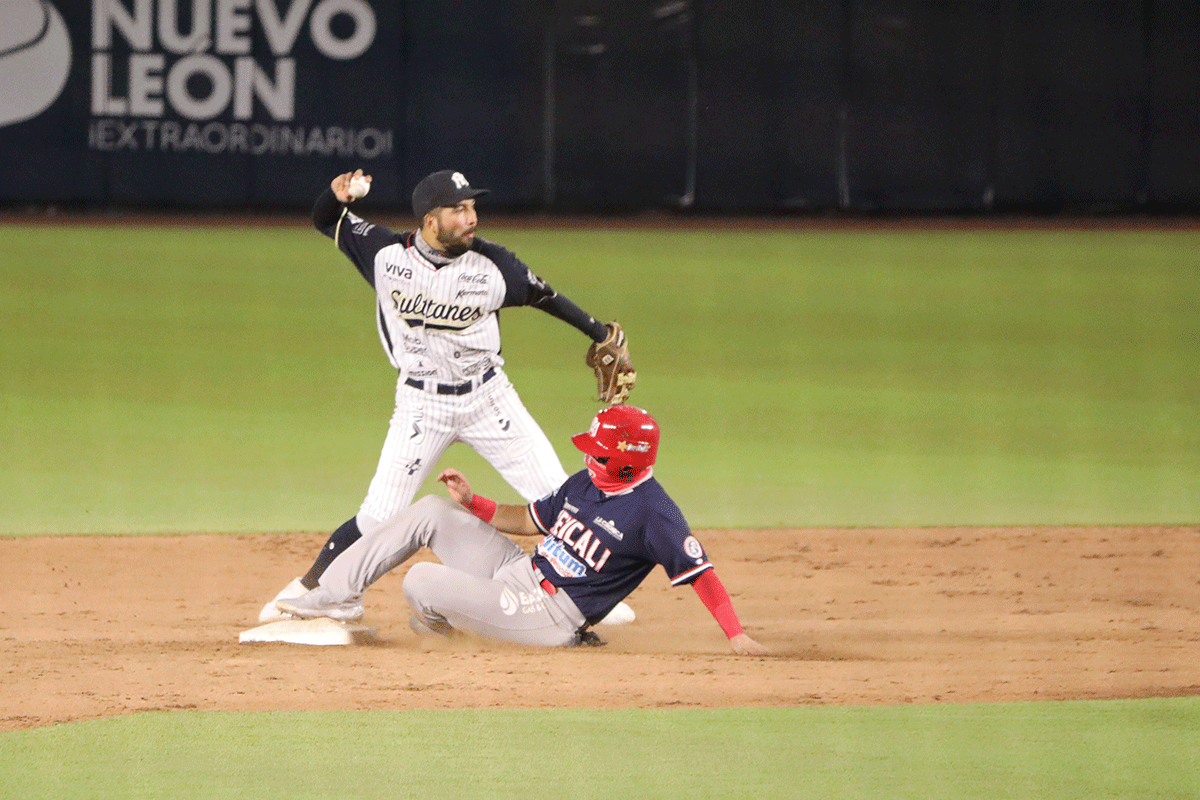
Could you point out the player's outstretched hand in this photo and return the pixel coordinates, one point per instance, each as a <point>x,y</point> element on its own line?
<point>341,185</point>
<point>743,645</point>
<point>457,485</point>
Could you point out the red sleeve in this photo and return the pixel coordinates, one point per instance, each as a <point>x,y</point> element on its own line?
<point>712,593</point>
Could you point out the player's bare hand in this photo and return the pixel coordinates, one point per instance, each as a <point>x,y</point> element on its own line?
<point>743,645</point>
<point>341,185</point>
<point>457,485</point>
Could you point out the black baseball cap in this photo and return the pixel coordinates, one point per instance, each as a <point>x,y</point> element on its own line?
<point>446,188</point>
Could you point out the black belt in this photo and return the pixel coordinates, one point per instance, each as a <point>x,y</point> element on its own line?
<point>452,388</point>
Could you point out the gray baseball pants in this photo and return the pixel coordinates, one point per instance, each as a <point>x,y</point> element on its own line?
<point>484,584</point>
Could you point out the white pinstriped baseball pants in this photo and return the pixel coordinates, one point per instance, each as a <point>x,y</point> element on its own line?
<point>491,419</point>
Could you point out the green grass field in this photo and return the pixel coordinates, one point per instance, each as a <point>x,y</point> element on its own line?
<point>1127,750</point>
<point>177,379</point>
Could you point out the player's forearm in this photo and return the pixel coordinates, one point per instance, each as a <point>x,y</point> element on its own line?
<point>558,306</point>
<point>712,593</point>
<point>506,518</point>
<point>514,520</point>
<point>326,212</point>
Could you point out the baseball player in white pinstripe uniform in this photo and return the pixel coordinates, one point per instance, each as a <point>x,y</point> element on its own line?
<point>438,290</point>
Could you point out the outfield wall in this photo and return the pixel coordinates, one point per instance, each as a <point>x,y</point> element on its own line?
<point>713,105</point>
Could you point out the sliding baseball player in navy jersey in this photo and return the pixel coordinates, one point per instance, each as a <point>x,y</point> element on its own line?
<point>604,529</point>
<point>438,290</point>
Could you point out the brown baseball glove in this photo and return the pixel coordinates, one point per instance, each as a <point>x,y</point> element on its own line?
<point>609,359</point>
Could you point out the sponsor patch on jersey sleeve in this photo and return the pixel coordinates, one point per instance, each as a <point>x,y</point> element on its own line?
<point>359,226</point>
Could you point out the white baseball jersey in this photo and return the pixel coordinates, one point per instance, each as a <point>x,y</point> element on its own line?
<point>437,321</point>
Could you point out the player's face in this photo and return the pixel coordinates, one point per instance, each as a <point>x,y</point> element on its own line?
<point>455,227</point>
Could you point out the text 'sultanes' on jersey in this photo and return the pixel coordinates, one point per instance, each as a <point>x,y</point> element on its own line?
<point>438,321</point>
<point>600,547</point>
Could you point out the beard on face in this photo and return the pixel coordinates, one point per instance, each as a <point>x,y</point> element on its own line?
<point>454,246</point>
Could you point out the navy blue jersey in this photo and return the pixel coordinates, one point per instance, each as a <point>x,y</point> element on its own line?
<point>599,547</point>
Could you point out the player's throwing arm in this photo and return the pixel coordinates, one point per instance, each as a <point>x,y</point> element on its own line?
<point>438,291</point>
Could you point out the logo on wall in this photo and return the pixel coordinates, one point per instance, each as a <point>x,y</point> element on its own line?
<point>220,76</point>
<point>35,58</point>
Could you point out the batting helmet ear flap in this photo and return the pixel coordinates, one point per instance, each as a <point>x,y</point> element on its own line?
<point>625,435</point>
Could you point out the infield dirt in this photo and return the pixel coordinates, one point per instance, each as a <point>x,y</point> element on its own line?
<point>103,626</point>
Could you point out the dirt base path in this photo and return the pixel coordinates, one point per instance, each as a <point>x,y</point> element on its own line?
<point>98,626</point>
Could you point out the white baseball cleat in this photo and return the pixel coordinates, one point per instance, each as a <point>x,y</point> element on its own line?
<point>271,613</point>
<point>621,614</point>
<point>318,603</point>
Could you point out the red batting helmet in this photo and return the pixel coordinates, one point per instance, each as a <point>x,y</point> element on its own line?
<point>626,435</point>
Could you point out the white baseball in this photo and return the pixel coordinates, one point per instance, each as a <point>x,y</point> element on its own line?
<point>359,186</point>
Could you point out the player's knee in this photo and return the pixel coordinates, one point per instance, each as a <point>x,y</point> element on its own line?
<point>433,508</point>
<point>431,501</point>
<point>418,580</point>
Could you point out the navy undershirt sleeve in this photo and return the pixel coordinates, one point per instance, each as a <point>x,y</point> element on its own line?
<point>358,239</point>
<point>523,288</point>
<point>326,212</point>
<point>558,306</point>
